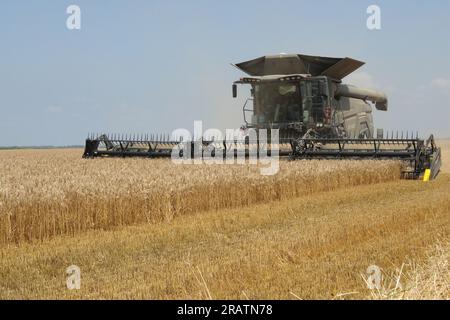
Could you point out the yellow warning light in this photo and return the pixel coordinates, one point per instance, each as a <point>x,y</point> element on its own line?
<point>426,175</point>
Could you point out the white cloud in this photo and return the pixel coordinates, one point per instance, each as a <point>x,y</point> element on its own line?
<point>441,83</point>
<point>53,109</point>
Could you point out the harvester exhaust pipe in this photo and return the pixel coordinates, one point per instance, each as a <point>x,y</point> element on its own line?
<point>377,97</point>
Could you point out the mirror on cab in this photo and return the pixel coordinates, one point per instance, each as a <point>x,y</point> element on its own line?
<point>234,90</point>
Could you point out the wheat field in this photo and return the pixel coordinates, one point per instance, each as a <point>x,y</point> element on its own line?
<point>146,229</point>
<point>314,247</point>
<point>54,192</point>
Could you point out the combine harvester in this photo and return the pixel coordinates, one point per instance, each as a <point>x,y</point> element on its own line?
<point>318,117</point>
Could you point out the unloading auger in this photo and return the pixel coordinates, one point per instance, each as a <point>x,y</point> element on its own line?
<point>316,115</point>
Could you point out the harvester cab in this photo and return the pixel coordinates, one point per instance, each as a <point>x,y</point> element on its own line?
<point>299,93</point>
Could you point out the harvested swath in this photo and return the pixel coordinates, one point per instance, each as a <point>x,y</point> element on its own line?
<point>421,281</point>
<point>53,192</point>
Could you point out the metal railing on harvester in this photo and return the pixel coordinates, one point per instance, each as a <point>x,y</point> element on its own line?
<point>417,154</point>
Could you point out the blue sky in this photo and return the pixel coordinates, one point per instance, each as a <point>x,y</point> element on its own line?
<point>153,66</point>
